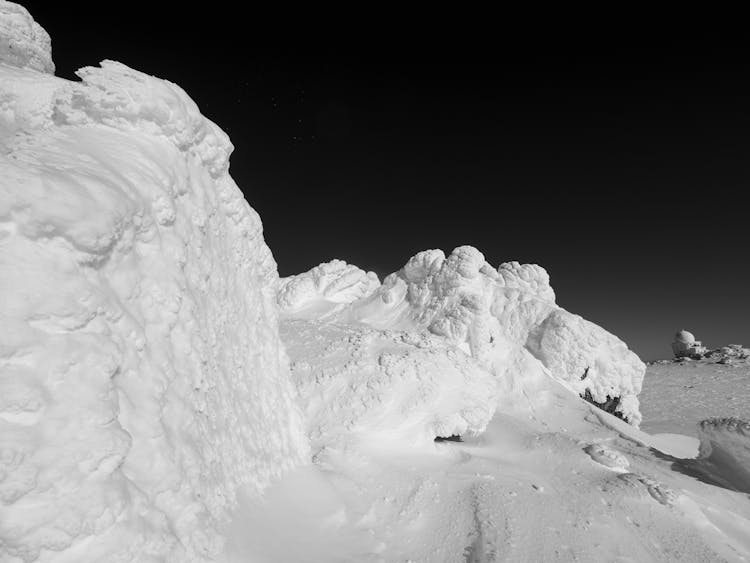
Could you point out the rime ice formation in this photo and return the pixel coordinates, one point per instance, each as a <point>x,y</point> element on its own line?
<point>142,380</point>
<point>23,42</point>
<point>498,316</point>
<point>374,386</point>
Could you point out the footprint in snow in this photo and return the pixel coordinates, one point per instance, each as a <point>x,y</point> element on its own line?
<point>607,457</point>
<point>658,491</point>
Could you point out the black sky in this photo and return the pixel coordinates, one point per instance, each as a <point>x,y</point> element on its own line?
<point>622,169</point>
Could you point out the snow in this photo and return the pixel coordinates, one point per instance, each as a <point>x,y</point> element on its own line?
<point>324,290</point>
<point>373,387</point>
<point>164,396</point>
<point>495,315</point>
<point>143,380</point>
<point>23,42</point>
<point>676,397</point>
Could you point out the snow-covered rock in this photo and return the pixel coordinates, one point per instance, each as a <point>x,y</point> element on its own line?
<point>23,42</point>
<point>142,380</point>
<point>588,358</point>
<point>369,386</point>
<point>495,315</point>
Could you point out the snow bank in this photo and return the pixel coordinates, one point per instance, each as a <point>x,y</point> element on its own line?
<point>496,315</point>
<point>359,384</point>
<point>142,380</point>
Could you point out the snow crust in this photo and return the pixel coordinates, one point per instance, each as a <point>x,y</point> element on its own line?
<point>494,314</point>
<point>142,379</point>
<point>23,42</point>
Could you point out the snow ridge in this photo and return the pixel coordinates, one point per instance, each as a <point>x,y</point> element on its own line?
<point>495,315</point>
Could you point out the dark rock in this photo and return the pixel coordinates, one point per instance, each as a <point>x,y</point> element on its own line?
<point>609,405</point>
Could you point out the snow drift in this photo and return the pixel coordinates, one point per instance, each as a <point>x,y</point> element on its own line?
<point>496,315</point>
<point>142,380</point>
<point>724,454</point>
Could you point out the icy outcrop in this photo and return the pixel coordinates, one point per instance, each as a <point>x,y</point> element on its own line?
<point>23,42</point>
<point>324,289</point>
<point>378,386</point>
<point>494,315</point>
<point>142,380</point>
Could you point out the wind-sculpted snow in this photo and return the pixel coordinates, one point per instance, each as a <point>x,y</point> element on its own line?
<point>380,386</point>
<point>495,315</point>
<point>325,289</point>
<point>142,381</point>
<point>23,42</point>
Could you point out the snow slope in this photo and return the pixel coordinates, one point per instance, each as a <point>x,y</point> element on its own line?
<point>569,483</point>
<point>142,380</point>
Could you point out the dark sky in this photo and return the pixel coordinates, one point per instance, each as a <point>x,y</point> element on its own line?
<point>622,169</point>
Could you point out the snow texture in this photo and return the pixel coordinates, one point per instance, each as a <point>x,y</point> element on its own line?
<point>326,289</point>
<point>359,384</point>
<point>495,315</point>
<point>142,379</point>
<point>23,42</point>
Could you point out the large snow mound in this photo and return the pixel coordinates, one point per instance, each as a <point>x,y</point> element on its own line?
<point>369,386</point>
<point>142,379</point>
<point>23,42</point>
<point>495,314</point>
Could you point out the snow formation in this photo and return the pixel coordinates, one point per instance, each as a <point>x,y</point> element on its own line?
<point>359,384</point>
<point>142,379</point>
<point>498,316</point>
<point>23,42</point>
<point>324,290</point>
